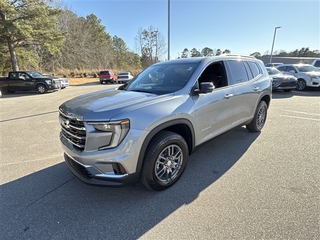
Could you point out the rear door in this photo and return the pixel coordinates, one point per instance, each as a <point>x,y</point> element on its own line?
<point>244,76</point>
<point>14,82</point>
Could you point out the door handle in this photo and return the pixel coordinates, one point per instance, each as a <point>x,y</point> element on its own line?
<point>227,96</point>
<point>256,89</point>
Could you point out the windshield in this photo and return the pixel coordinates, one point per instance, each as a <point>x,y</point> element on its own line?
<point>273,71</point>
<point>308,68</point>
<point>162,78</point>
<point>35,74</point>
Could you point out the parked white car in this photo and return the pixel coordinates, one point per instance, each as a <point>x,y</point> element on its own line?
<point>308,75</point>
<point>124,77</point>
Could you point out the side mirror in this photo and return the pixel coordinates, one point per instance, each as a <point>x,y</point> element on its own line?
<point>205,87</point>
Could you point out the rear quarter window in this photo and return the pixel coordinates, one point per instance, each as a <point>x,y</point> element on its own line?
<point>255,70</point>
<point>238,71</point>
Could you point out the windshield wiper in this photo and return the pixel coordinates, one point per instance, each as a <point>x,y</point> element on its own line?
<point>142,90</point>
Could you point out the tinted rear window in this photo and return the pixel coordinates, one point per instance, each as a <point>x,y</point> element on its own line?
<point>254,69</point>
<point>239,72</point>
<point>104,72</point>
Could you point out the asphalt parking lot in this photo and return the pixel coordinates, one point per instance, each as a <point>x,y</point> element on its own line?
<point>239,185</point>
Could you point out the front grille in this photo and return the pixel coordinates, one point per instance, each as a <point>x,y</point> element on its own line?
<point>74,131</point>
<point>288,84</point>
<point>79,168</point>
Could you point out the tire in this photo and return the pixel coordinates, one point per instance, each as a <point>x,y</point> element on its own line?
<point>165,160</point>
<point>41,88</point>
<point>259,119</point>
<point>301,85</point>
<point>101,82</point>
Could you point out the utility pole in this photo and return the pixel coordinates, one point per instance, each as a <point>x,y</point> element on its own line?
<point>274,37</point>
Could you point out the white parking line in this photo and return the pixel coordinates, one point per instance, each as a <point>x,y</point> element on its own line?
<point>316,114</point>
<point>312,119</point>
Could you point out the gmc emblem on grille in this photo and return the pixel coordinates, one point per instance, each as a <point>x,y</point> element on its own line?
<point>65,122</point>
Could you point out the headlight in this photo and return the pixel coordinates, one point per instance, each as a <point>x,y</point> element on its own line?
<point>49,82</point>
<point>117,129</point>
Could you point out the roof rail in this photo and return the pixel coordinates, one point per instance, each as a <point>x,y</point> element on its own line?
<point>237,55</point>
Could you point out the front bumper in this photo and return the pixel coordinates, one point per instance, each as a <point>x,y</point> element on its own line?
<point>315,82</point>
<point>91,175</point>
<point>54,87</point>
<point>112,167</point>
<point>283,85</point>
<point>107,80</point>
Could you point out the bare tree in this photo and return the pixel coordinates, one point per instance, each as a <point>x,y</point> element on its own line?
<point>151,45</point>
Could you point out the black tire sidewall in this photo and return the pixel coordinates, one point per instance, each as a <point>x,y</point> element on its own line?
<point>302,81</point>
<point>157,145</point>
<point>39,86</point>
<point>253,124</point>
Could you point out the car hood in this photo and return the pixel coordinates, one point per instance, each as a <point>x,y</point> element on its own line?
<point>313,74</point>
<point>106,104</point>
<point>283,77</point>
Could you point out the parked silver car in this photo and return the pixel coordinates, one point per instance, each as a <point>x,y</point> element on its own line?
<point>146,129</point>
<point>307,75</point>
<point>63,80</point>
<point>273,64</point>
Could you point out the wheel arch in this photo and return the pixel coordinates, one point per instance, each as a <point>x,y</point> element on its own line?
<point>266,98</point>
<point>182,127</point>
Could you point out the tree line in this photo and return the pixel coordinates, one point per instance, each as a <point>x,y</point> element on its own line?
<point>42,35</point>
<point>209,52</point>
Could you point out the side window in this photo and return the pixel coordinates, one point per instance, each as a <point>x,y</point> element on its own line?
<point>290,69</point>
<point>317,64</point>
<point>238,71</point>
<point>282,69</point>
<point>216,74</point>
<point>254,69</point>
<point>13,76</point>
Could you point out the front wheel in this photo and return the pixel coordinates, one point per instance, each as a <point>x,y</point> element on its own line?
<point>41,88</point>
<point>259,118</point>
<point>165,161</point>
<point>301,85</point>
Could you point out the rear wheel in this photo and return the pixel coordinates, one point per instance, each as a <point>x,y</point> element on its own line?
<point>41,88</point>
<point>165,161</point>
<point>301,85</point>
<point>259,119</point>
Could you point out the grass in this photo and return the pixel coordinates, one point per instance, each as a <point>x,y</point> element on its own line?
<point>79,80</point>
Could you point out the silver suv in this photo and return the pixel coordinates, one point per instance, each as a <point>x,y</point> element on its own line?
<point>146,129</point>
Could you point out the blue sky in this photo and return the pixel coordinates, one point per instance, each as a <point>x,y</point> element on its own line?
<point>242,26</point>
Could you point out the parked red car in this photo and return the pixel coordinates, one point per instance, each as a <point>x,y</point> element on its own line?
<point>107,76</point>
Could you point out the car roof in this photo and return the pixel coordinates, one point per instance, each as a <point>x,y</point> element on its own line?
<point>296,64</point>
<point>208,59</point>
